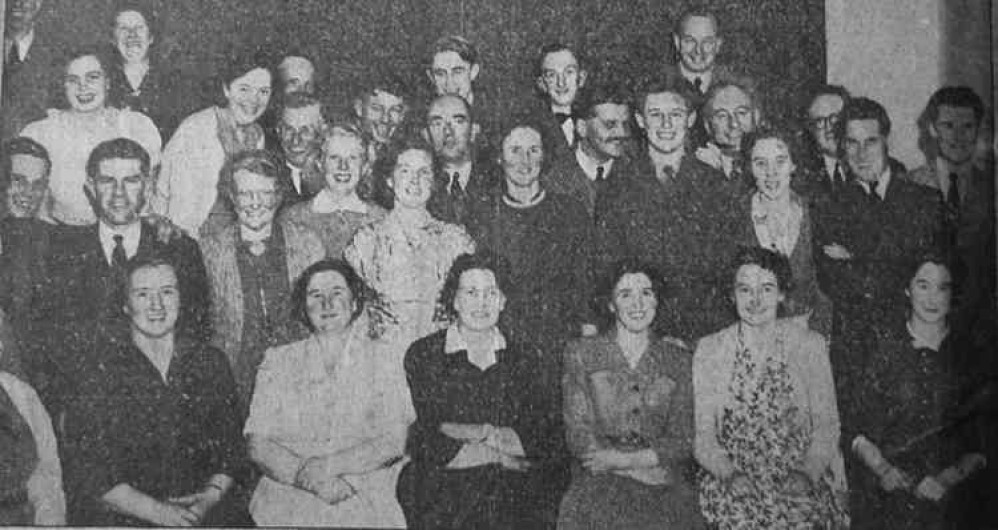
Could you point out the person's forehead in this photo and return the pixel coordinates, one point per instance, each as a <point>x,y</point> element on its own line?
<point>83,65</point>
<point>522,136</point>
<point>950,112</point>
<point>752,273</point>
<point>326,280</point>
<point>559,60</point>
<point>633,280</point>
<point>385,98</point>
<point>258,77</point>
<point>611,111</point>
<point>664,101</point>
<point>295,66</point>
<point>477,278</point>
<point>130,18</point>
<point>415,157</point>
<point>448,107</point>
<point>247,178</point>
<point>699,26</point>
<point>342,145</point>
<point>730,97</point>
<point>29,166</point>
<point>769,147</point>
<point>448,59</point>
<point>300,116</point>
<point>862,129</point>
<point>119,167</point>
<point>825,104</point>
<point>933,272</point>
<point>155,277</point>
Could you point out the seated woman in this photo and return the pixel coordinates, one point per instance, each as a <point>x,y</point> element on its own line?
<point>629,415</point>
<point>773,216</point>
<point>30,474</point>
<point>337,212</point>
<point>186,191</point>
<point>405,256</point>
<point>153,437</point>
<point>767,426</point>
<point>482,443</point>
<point>70,133</point>
<point>329,416</point>
<point>911,418</point>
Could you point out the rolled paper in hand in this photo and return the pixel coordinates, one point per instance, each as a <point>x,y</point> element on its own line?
<point>870,454</point>
<point>968,464</point>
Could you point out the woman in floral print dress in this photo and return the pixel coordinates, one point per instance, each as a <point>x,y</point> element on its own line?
<point>767,426</point>
<point>405,256</point>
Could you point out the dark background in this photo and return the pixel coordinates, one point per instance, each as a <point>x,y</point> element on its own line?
<point>782,42</point>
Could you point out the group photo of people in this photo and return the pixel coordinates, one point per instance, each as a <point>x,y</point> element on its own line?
<point>619,297</point>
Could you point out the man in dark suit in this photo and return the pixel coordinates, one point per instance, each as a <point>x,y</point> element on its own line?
<point>452,68</point>
<point>731,111</point>
<point>872,232</point>
<point>666,209</point>
<point>560,77</point>
<point>823,172</point>
<point>28,71</point>
<point>466,173</point>
<point>301,128</point>
<point>602,127</point>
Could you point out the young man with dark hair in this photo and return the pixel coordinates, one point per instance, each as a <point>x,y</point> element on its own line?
<point>560,75</point>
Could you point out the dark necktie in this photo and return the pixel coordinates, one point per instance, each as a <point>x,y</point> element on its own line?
<point>455,186</point>
<point>668,174</point>
<point>953,196</point>
<point>562,117</point>
<point>600,183</point>
<point>118,256</point>
<point>457,197</point>
<point>698,84</point>
<point>838,178</point>
<point>870,189</point>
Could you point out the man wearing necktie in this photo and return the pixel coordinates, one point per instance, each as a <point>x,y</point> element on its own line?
<point>602,117</point>
<point>465,177</point>
<point>560,76</point>
<point>84,263</point>
<point>823,173</point>
<point>872,231</point>
<point>964,177</point>
<point>730,112</point>
<point>667,209</point>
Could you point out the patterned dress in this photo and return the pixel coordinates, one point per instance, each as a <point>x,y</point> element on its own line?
<point>406,266</point>
<point>766,435</point>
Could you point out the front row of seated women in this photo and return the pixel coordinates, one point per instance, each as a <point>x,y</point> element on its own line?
<point>742,434</point>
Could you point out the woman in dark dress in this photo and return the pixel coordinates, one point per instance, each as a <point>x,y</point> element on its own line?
<point>912,417</point>
<point>481,443</point>
<point>139,77</point>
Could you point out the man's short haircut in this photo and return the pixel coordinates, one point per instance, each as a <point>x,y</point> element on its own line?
<point>21,145</point>
<point>826,89</point>
<point>467,107</point>
<point>747,87</point>
<point>144,8</point>
<point>257,161</point>
<point>658,84</point>
<point>457,44</point>
<point>349,129</point>
<point>954,96</point>
<point>554,47</point>
<point>123,148</point>
<point>857,109</point>
<point>386,80</point>
<point>599,93</point>
<point>696,12</point>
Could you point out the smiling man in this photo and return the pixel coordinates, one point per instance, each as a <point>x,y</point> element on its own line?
<point>301,129</point>
<point>84,264</point>
<point>668,207</point>
<point>560,77</point>
<point>871,232</point>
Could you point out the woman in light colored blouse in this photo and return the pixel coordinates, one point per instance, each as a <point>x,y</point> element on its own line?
<point>628,406</point>
<point>405,256</point>
<point>774,217</point>
<point>329,415</point>
<point>337,212</point>
<point>767,425</point>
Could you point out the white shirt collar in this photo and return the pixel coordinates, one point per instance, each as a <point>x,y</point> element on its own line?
<point>705,77</point>
<point>455,342</point>
<point>23,45</point>
<point>830,163</point>
<point>131,235</point>
<point>881,189</point>
<point>324,202</point>
<point>589,165</point>
<point>295,177</point>
<point>660,160</point>
<point>463,174</point>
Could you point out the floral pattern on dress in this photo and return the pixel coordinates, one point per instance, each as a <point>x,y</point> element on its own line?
<point>766,436</point>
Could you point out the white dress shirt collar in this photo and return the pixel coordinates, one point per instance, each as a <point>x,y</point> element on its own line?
<point>882,183</point>
<point>589,165</point>
<point>295,177</point>
<point>131,235</point>
<point>463,174</point>
<point>455,342</point>
<point>23,45</point>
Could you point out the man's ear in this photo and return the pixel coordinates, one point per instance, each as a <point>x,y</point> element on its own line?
<point>583,76</point>
<point>640,120</point>
<point>933,132</point>
<point>691,119</point>
<point>541,85</point>
<point>425,132</point>
<point>474,71</point>
<point>476,129</point>
<point>429,75</point>
<point>720,44</point>
<point>580,128</point>
<point>358,107</point>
